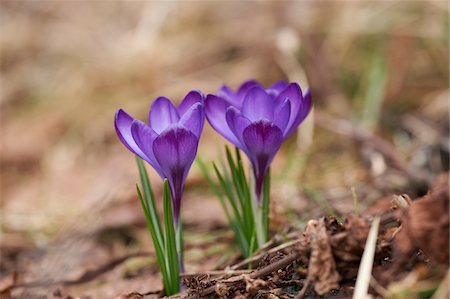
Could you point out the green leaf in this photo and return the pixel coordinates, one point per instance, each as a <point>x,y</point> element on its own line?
<point>227,188</point>
<point>150,202</point>
<point>214,187</point>
<point>266,206</point>
<point>159,250</point>
<point>171,253</point>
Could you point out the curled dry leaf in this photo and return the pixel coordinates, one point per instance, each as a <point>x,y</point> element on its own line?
<point>252,286</point>
<point>348,245</point>
<point>425,226</point>
<point>322,267</point>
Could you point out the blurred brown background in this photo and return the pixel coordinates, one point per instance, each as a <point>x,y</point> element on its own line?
<point>375,68</point>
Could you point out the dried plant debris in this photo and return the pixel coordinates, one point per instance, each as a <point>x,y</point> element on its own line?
<point>324,259</point>
<point>425,227</point>
<point>322,267</point>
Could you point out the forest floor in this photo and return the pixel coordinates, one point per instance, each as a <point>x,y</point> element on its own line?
<point>372,156</point>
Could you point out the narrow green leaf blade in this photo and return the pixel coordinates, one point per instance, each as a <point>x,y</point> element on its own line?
<point>158,249</point>
<point>150,201</point>
<point>170,241</point>
<point>266,206</point>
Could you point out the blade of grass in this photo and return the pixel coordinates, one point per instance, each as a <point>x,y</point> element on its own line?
<point>214,187</point>
<point>240,227</point>
<point>244,194</point>
<point>266,206</point>
<point>226,186</point>
<point>158,249</point>
<point>150,201</point>
<point>170,241</point>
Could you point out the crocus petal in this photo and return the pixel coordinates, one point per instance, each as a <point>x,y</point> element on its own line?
<point>194,119</point>
<point>303,111</point>
<point>122,123</point>
<point>282,114</point>
<point>189,100</point>
<point>215,109</point>
<point>162,114</point>
<point>237,123</point>
<point>175,150</point>
<point>229,95</point>
<point>245,87</point>
<point>294,94</point>
<point>144,137</point>
<point>263,139</point>
<point>277,88</point>
<point>258,105</point>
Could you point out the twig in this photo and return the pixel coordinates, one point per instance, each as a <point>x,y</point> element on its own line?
<point>259,256</point>
<point>287,260</point>
<point>216,273</point>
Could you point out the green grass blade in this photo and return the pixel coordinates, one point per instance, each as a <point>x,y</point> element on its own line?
<point>158,249</point>
<point>214,188</point>
<point>150,202</point>
<point>240,181</point>
<point>226,186</point>
<point>241,239</point>
<point>266,206</point>
<point>170,241</point>
<point>235,222</point>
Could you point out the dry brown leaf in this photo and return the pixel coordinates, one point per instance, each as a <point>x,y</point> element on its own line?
<point>425,226</point>
<point>322,267</point>
<point>252,286</point>
<point>348,245</point>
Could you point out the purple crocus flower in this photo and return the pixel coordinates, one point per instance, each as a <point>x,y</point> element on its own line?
<point>257,120</point>
<point>170,140</point>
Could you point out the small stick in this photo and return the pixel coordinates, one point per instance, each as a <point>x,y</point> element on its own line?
<point>259,256</point>
<point>216,272</point>
<point>256,274</point>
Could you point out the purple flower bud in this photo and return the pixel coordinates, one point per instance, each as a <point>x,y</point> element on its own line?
<point>170,140</point>
<point>258,120</point>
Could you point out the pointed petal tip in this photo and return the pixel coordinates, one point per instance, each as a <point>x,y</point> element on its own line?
<point>162,114</point>
<point>258,104</point>
<point>194,119</point>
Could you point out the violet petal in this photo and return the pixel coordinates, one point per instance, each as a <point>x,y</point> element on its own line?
<point>229,95</point>
<point>245,87</point>
<point>294,94</point>
<point>263,140</point>
<point>237,123</point>
<point>189,100</point>
<point>258,105</point>
<point>175,151</point>
<point>122,123</point>
<point>282,115</point>
<point>303,111</point>
<point>194,119</point>
<point>144,137</point>
<point>162,114</point>
<point>279,86</point>
<point>215,109</point>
